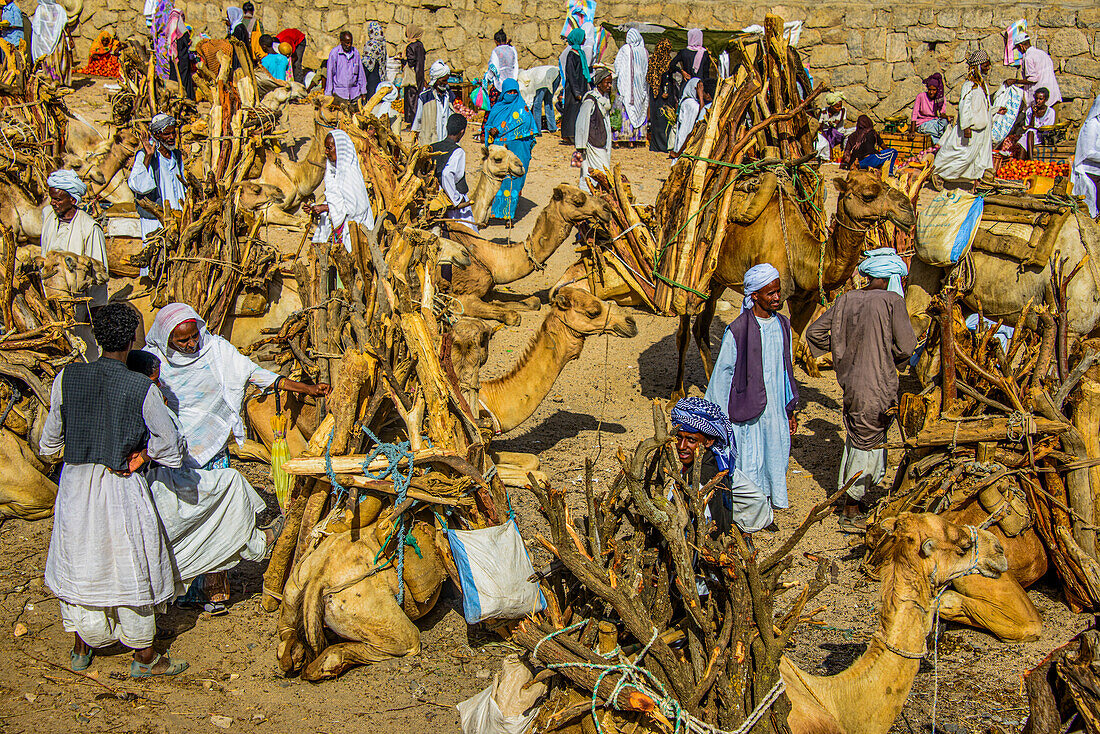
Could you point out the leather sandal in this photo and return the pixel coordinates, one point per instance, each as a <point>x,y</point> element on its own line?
<point>79,661</point>
<point>143,670</point>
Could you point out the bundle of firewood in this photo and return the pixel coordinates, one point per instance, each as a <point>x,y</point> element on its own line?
<point>1062,690</point>
<point>33,124</point>
<point>1013,428</point>
<point>654,615</point>
<point>757,123</point>
<point>372,326</point>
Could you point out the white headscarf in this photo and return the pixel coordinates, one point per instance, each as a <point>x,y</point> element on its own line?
<point>69,182</point>
<point>884,262</point>
<point>384,106</point>
<point>1086,158</point>
<point>631,65</point>
<point>438,71</point>
<point>234,16</point>
<point>756,278</point>
<point>205,389</point>
<point>46,28</point>
<point>345,190</point>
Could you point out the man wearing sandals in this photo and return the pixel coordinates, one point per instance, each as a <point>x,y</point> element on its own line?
<point>109,563</point>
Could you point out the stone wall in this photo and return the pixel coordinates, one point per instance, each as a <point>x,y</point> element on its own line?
<point>877,52</point>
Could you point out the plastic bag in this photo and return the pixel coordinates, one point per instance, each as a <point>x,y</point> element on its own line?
<point>493,568</point>
<point>499,709</point>
<point>946,227</point>
<point>1010,98</point>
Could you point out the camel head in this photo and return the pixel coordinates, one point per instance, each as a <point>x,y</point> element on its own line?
<point>499,162</point>
<point>586,315</point>
<point>867,200</point>
<point>65,275</point>
<point>575,206</point>
<point>124,143</point>
<point>936,549</point>
<point>255,196</point>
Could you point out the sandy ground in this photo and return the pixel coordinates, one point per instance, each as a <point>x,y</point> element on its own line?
<point>600,402</point>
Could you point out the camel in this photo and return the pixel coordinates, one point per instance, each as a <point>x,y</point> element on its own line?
<point>497,164</point>
<point>26,492</point>
<point>808,267</point>
<point>344,585</point>
<point>1003,287</point>
<point>574,315</point>
<point>495,264</point>
<point>926,553</point>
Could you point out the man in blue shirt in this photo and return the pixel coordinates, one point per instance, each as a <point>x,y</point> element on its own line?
<point>11,23</point>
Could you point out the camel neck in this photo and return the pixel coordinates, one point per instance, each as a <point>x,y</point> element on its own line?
<point>843,248</point>
<point>884,674</point>
<point>513,397</point>
<point>509,263</point>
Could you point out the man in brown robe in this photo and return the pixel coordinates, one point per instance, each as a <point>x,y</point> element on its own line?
<point>869,334</point>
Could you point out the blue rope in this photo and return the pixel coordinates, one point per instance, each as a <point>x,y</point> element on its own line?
<point>394,453</point>
<point>338,489</point>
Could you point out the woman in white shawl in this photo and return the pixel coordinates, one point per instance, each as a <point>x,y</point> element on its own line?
<point>503,61</point>
<point>203,378</point>
<point>966,149</point>
<point>687,115</point>
<point>631,66</point>
<point>208,515</point>
<point>384,110</point>
<point>346,198</point>
<point>1086,160</point>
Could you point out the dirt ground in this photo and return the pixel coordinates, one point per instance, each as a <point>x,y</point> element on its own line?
<point>601,402</point>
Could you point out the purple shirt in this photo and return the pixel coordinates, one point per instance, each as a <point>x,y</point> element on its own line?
<point>345,74</point>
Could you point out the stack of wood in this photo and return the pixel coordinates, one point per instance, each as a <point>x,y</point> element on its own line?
<point>1014,427</point>
<point>757,122</point>
<point>1063,689</point>
<point>37,338</point>
<point>33,123</point>
<point>371,327</point>
<point>627,627</point>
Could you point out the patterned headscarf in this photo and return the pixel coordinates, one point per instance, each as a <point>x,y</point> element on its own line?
<point>658,65</point>
<point>374,54</point>
<point>977,58</point>
<point>161,122</point>
<point>702,416</point>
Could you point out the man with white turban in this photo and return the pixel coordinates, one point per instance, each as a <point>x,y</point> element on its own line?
<point>66,228</point>
<point>753,381</point>
<point>869,334</point>
<point>434,107</point>
<point>157,174</point>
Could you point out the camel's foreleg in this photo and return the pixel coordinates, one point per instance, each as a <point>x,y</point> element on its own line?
<point>701,331</point>
<point>476,308</point>
<point>802,310</point>
<point>999,605</point>
<point>682,333</point>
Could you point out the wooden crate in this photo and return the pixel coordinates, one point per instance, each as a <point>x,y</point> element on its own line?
<point>907,144</point>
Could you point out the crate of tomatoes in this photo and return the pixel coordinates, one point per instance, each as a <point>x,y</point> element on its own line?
<point>1014,170</point>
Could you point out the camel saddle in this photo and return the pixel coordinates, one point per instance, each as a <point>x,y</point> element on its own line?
<point>1021,234</point>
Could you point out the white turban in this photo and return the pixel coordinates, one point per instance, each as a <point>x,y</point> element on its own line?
<point>69,182</point>
<point>438,71</point>
<point>885,263</point>
<point>756,278</point>
<point>161,122</point>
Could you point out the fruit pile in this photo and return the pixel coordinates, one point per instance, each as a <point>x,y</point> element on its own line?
<point>105,65</point>
<point>1014,170</point>
<point>470,114</point>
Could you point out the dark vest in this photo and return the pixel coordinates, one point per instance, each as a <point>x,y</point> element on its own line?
<point>598,125</point>
<point>101,409</point>
<point>445,148</point>
<point>747,394</point>
<point>154,196</point>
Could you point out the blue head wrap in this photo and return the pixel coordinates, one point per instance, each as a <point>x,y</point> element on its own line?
<point>756,278</point>
<point>702,416</point>
<point>885,263</point>
<point>509,119</point>
<point>576,40</point>
<point>69,182</point>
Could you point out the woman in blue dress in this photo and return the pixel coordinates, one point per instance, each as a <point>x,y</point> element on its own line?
<point>511,124</point>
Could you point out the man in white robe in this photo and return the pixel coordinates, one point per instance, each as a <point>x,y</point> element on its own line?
<point>593,133</point>
<point>66,228</point>
<point>435,106</point>
<point>966,149</point>
<point>108,562</point>
<point>450,166</point>
<point>157,174</point>
<point>753,380</point>
<point>1086,160</point>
